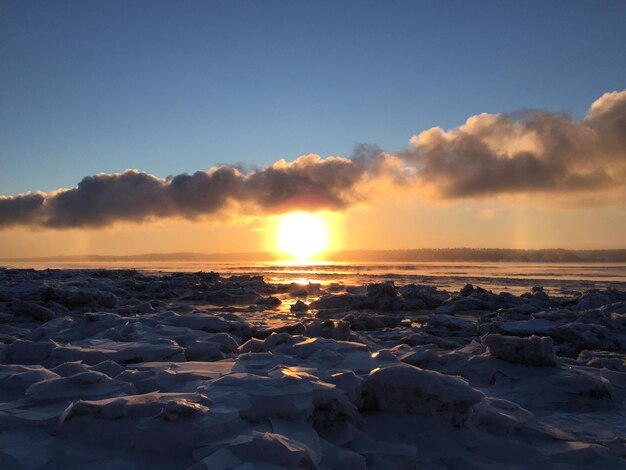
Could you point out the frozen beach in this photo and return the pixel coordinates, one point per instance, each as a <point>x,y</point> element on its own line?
<point>326,366</point>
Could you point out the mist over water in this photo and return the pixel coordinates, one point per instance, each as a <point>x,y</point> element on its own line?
<point>514,277</point>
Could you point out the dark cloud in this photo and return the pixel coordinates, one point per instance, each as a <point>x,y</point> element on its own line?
<point>20,209</point>
<point>528,151</point>
<point>104,199</point>
<point>308,182</point>
<point>330,180</point>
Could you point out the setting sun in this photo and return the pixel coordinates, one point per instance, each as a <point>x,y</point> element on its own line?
<point>302,235</point>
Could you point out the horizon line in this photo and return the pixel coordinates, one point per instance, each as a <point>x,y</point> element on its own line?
<point>273,255</point>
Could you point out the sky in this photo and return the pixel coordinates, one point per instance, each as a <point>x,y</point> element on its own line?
<point>175,88</point>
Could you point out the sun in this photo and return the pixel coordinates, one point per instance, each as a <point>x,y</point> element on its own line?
<point>302,235</point>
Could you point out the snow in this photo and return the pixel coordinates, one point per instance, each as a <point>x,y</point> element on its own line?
<point>121,369</point>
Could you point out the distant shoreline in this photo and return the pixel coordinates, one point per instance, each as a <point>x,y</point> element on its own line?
<point>557,255</point>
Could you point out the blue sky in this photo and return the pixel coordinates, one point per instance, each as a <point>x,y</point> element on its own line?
<point>171,87</point>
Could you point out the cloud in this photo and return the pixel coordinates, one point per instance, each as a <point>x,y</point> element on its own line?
<point>21,209</point>
<point>525,152</point>
<point>309,182</point>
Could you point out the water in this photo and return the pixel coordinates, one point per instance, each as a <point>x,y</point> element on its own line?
<point>514,277</point>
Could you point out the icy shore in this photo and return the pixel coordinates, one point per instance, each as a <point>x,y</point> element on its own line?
<point>117,369</point>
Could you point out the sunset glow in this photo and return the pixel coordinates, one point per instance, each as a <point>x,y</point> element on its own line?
<point>312,234</point>
<point>302,235</point>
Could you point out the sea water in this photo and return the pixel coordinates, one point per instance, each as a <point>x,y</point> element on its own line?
<point>514,277</point>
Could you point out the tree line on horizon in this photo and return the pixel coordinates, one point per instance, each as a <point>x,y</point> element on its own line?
<point>556,255</point>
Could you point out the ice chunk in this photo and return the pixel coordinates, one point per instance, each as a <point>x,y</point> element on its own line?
<point>528,327</point>
<point>273,448</point>
<point>533,351</point>
<point>17,378</point>
<point>28,352</point>
<point>88,384</point>
<point>95,351</point>
<point>408,388</point>
<point>32,309</point>
<point>333,329</point>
